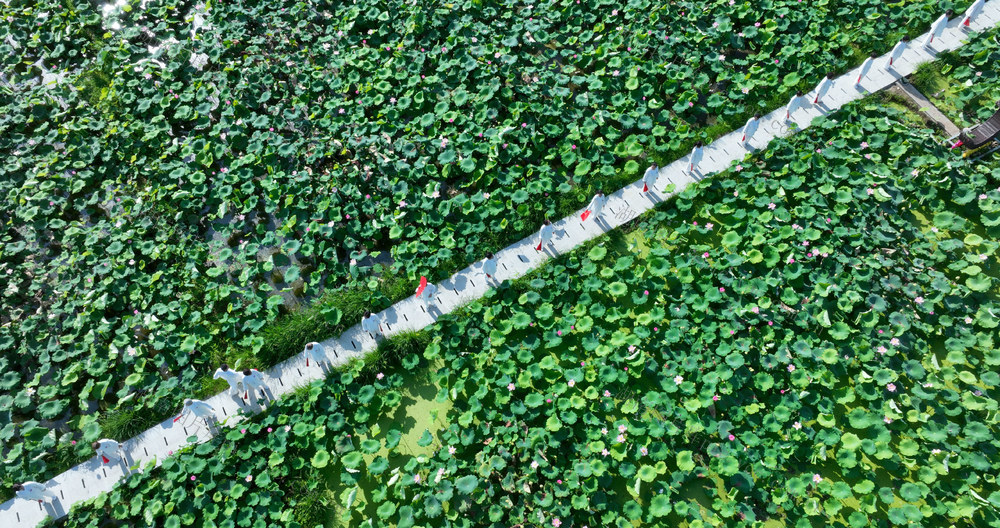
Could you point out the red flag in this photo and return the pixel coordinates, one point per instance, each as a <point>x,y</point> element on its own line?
<point>423,284</point>
<point>585,215</point>
<point>105,459</point>
<point>645,187</point>
<point>744,138</point>
<point>539,246</point>
<point>178,417</point>
<point>966,22</point>
<point>246,395</point>
<point>307,361</point>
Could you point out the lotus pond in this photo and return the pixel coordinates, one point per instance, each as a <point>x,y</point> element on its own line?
<point>186,172</point>
<point>806,340</point>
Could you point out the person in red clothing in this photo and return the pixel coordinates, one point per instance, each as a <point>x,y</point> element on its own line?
<point>108,450</point>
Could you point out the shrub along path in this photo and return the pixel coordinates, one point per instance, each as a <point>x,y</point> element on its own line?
<point>91,478</point>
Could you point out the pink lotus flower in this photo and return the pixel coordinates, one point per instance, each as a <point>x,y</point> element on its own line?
<point>379,376</point>
<point>193,477</point>
<point>919,300</point>
<point>731,438</point>
<point>571,383</point>
<point>771,206</point>
<point>791,368</point>
<point>269,429</point>
<point>510,386</point>
<point>891,387</point>
<point>704,255</point>
<point>556,522</point>
<point>451,450</point>
<point>678,379</point>
<point>797,425</point>
<point>607,394</point>
<point>249,478</point>
<point>817,479</point>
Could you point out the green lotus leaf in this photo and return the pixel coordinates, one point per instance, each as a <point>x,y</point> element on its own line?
<point>520,320</point>
<point>351,460</point>
<point>864,487</point>
<point>840,331</point>
<point>321,459</point>
<point>597,253</point>
<point>466,484</point>
<point>659,506</point>
<point>386,510</point>
<point>685,461</point>
<point>370,446</point>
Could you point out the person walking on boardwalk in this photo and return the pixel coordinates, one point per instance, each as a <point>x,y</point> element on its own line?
<point>371,324</point>
<point>253,380</point>
<point>898,50</point>
<point>938,27</point>
<point>695,157</point>
<point>428,294</point>
<point>199,409</point>
<point>750,128</point>
<point>316,353</point>
<point>545,234</point>
<point>233,378</point>
<point>793,104</point>
<point>865,68</point>
<point>108,450</point>
<point>650,177</point>
<point>823,87</point>
<point>490,265</point>
<point>971,12</point>
<point>595,207</point>
<point>34,491</point>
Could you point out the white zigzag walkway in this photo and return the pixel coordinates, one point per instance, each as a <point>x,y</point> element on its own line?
<point>92,478</point>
